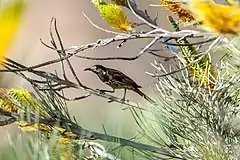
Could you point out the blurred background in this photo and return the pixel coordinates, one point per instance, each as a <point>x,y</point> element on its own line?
<point>92,112</point>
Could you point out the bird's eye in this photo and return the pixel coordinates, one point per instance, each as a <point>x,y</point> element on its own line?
<point>96,69</point>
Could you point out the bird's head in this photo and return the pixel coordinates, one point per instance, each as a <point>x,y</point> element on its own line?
<point>96,69</point>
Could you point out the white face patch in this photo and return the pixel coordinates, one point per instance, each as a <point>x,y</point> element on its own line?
<point>104,73</point>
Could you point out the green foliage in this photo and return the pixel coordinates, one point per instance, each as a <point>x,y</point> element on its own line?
<point>200,67</point>
<point>34,146</point>
<point>21,97</point>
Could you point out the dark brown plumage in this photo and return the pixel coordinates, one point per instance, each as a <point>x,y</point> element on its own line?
<point>117,80</point>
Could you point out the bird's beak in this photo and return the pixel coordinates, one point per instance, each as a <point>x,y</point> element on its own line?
<point>87,69</point>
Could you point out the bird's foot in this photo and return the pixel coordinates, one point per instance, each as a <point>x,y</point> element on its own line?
<point>101,92</point>
<point>123,100</point>
<point>110,101</point>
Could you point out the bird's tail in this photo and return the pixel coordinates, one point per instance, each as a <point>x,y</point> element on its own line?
<point>145,96</point>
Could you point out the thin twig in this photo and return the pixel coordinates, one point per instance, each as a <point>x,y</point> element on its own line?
<point>142,15</point>
<point>144,50</point>
<point>102,29</point>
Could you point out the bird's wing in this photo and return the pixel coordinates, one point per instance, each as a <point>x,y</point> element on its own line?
<point>122,78</point>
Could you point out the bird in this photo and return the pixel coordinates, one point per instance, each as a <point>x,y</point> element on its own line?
<point>117,80</point>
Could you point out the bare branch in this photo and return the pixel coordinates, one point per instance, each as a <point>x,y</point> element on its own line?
<point>104,30</point>
<point>7,121</point>
<point>144,50</point>
<point>142,15</point>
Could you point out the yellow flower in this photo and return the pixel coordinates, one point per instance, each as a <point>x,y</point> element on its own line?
<point>184,14</point>
<point>70,134</point>
<point>5,102</point>
<point>38,127</point>
<point>61,130</point>
<point>10,19</point>
<point>216,18</point>
<point>65,140</point>
<point>114,15</point>
<point>24,98</point>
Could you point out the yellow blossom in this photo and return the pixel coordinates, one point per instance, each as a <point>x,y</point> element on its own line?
<point>5,102</point>
<point>114,15</point>
<point>65,140</point>
<point>38,127</point>
<point>10,20</point>
<point>215,17</point>
<point>184,14</point>
<point>24,98</point>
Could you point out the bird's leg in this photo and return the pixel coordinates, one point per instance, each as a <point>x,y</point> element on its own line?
<point>124,95</point>
<point>123,99</point>
<point>102,91</point>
